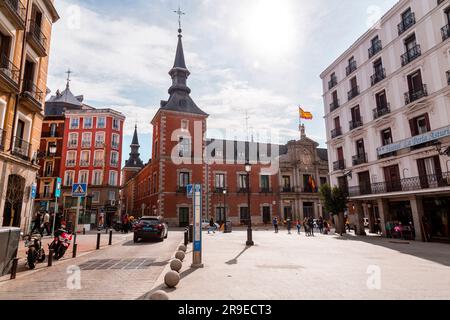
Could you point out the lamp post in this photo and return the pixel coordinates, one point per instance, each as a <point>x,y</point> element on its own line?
<point>225,230</point>
<point>248,169</point>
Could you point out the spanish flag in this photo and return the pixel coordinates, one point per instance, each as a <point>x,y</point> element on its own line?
<point>312,183</point>
<point>305,115</point>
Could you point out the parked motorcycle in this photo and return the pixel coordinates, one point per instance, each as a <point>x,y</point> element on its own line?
<point>60,243</point>
<point>35,253</point>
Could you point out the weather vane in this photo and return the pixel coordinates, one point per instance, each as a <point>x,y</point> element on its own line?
<point>179,13</point>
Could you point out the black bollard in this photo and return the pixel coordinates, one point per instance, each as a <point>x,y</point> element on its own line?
<point>50,257</point>
<point>186,236</point>
<point>74,251</point>
<point>110,238</point>
<point>98,241</point>
<point>191,233</point>
<point>84,231</point>
<point>14,268</point>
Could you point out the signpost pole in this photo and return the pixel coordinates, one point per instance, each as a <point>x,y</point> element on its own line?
<point>75,227</point>
<point>57,195</point>
<point>32,197</point>
<point>197,252</point>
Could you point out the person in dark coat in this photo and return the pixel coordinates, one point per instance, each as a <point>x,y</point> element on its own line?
<point>320,223</point>
<point>37,223</point>
<point>311,226</point>
<point>289,225</point>
<point>275,224</point>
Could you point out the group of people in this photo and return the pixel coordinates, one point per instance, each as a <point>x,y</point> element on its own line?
<point>127,223</point>
<point>308,224</point>
<point>44,222</point>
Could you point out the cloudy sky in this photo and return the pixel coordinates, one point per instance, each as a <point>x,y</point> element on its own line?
<point>262,57</point>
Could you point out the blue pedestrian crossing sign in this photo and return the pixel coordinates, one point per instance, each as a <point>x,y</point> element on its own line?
<point>79,190</point>
<point>190,191</point>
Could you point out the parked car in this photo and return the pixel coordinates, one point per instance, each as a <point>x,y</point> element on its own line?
<point>150,228</point>
<point>205,225</point>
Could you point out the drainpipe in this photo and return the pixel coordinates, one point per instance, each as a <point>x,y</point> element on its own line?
<point>22,62</point>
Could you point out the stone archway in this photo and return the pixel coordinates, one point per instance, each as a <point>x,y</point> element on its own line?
<point>13,201</point>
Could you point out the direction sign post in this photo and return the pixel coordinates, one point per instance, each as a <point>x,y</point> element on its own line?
<point>197,252</point>
<point>79,190</point>
<point>57,196</point>
<point>190,191</point>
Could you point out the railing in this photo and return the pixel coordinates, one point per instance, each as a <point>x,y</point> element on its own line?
<point>73,144</point>
<point>116,146</point>
<point>356,124</point>
<point>70,163</point>
<point>388,155</point>
<point>406,23</point>
<point>50,135</point>
<point>375,48</point>
<point>287,189</point>
<point>404,185</point>
<point>36,33</point>
<point>419,93</point>
<point>182,190</point>
<point>445,31</point>
<point>354,92</point>
<point>18,8</point>
<point>21,148</point>
<point>334,105</point>
<point>9,69</point>
<point>30,88</point>
<point>411,55</point>
<point>99,144</point>
<point>332,83</point>
<point>114,164</point>
<point>84,163</point>
<point>339,165</point>
<point>48,173</point>
<point>86,144</point>
<point>378,76</point>
<point>360,159</point>
<point>381,111</point>
<point>336,132</point>
<point>2,139</point>
<point>99,163</point>
<point>351,67</point>
<point>219,190</point>
<point>265,190</point>
<point>243,190</point>
<point>448,77</point>
<point>309,190</point>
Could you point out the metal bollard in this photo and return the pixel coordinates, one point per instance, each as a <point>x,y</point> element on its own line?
<point>106,231</point>
<point>50,257</point>
<point>14,268</point>
<point>84,231</point>
<point>98,241</point>
<point>110,238</point>
<point>191,233</point>
<point>74,251</point>
<point>186,236</point>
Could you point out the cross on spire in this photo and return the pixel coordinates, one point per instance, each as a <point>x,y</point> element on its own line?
<point>179,13</point>
<point>69,72</point>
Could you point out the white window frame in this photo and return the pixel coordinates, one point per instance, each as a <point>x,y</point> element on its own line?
<point>115,135</point>
<point>74,158</point>
<point>114,127</point>
<point>117,157</point>
<point>3,105</point>
<point>83,138</point>
<point>66,174</point>
<point>95,196</point>
<point>98,123</point>
<point>94,174</point>
<point>71,127</point>
<point>84,123</point>
<point>112,192</point>
<point>69,144</point>
<point>113,183</point>
<point>88,157</point>
<point>81,173</point>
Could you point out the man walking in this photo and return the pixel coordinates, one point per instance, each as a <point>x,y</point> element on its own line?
<point>299,227</point>
<point>46,224</point>
<point>212,226</point>
<point>275,224</point>
<point>37,223</point>
<point>311,225</point>
<point>289,225</point>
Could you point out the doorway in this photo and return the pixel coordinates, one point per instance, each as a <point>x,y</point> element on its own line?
<point>183,214</point>
<point>13,201</point>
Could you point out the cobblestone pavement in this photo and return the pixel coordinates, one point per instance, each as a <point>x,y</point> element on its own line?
<point>282,266</point>
<point>122,271</point>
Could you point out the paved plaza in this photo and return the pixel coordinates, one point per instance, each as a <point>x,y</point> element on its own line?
<point>282,266</point>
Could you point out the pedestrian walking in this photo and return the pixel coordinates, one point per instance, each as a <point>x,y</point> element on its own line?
<point>275,224</point>
<point>289,225</point>
<point>320,223</point>
<point>37,223</point>
<point>299,227</point>
<point>212,226</point>
<point>305,226</point>
<point>311,226</point>
<point>125,223</point>
<point>46,224</point>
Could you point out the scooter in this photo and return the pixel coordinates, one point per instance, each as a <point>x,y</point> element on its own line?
<point>60,243</point>
<point>35,253</point>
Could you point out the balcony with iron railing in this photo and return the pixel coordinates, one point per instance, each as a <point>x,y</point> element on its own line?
<point>339,165</point>
<point>411,55</point>
<point>426,182</point>
<point>9,75</point>
<point>287,189</point>
<point>21,148</point>
<point>99,163</point>
<point>73,144</point>
<point>100,144</point>
<point>334,105</point>
<point>2,139</point>
<point>70,163</point>
<point>381,111</point>
<point>445,31</point>
<point>84,163</point>
<point>265,190</point>
<point>115,164</point>
<point>15,11</point>
<point>360,159</point>
<point>48,173</point>
<point>182,190</point>
<point>407,22</point>
<point>32,94</point>
<point>378,76</point>
<point>375,48</point>
<point>243,190</point>
<point>37,39</point>
<point>351,68</point>
<point>332,83</point>
<point>354,92</point>
<point>356,123</point>
<point>336,133</point>
<point>416,94</point>
<point>219,190</point>
<point>115,146</point>
<point>86,144</point>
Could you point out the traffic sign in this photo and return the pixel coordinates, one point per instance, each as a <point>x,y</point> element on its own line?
<point>58,187</point>
<point>33,191</point>
<point>79,190</point>
<point>190,191</point>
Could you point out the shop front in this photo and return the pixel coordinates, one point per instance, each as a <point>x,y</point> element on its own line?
<point>436,218</point>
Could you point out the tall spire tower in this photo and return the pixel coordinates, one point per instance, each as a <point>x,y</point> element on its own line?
<point>134,163</point>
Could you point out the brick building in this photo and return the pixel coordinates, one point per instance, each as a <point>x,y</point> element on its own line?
<point>181,155</point>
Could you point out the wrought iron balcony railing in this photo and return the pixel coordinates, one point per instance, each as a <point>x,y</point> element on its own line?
<point>115,146</point>
<point>37,34</point>
<point>360,159</point>
<point>411,55</point>
<point>334,105</point>
<point>219,190</point>
<point>445,31</point>
<point>434,181</point>
<point>99,163</point>
<point>70,163</point>
<point>381,111</point>
<point>2,139</point>
<point>287,189</point>
<point>31,89</point>
<point>265,190</point>
<point>17,9</point>
<point>100,144</point>
<point>21,148</point>
<point>375,48</point>
<point>9,69</point>
<point>72,144</point>
<point>339,165</point>
<point>354,92</point>
<point>243,190</point>
<point>336,132</point>
<point>407,22</point>
<point>417,94</point>
<point>115,164</point>
<point>356,124</point>
<point>332,83</point>
<point>182,189</point>
<point>378,76</point>
<point>351,68</point>
<point>84,163</point>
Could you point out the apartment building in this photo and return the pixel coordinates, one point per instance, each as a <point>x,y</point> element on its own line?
<point>387,113</point>
<point>25,34</point>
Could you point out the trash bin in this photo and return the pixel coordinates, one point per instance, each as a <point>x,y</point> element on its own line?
<point>191,233</point>
<point>9,246</point>
<point>228,227</point>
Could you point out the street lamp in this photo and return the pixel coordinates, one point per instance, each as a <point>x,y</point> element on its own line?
<point>52,149</point>
<point>248,169</point>
<point>225,229</point>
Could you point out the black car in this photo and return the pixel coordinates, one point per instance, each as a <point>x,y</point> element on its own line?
<point>150,228</point>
